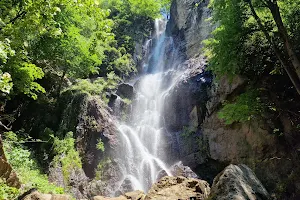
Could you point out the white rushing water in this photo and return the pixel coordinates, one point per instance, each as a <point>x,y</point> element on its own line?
<point>142,156</point>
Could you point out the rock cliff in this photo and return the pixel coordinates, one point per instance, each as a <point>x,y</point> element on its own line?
<point>198,137</point>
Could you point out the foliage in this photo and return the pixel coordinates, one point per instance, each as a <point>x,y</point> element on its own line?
<point>67,38</point>
<point>66,154</point>
<point>7,192</point>
<point>133,19</point>
<point>100,145</point>
<point>245,107</point>
<point>26,167</point>
<point>98,86</point>
<point>5,83</point>
<point>127,101</point>
<point>239,45</point>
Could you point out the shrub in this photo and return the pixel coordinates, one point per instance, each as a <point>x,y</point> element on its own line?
<point>246,106</point>
<point>26,168</point>
<point>100,145</point>
<point>7,192</point>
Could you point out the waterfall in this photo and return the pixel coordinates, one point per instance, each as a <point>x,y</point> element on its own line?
<point>141,153</point>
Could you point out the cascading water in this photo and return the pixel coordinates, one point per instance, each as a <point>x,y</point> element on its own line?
<point>142,157</point>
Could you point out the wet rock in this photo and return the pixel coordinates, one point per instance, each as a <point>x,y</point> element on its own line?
<point>178,169</point>
<point>187,94</point>
<point>125,90</point>
<point>179,188</point>
<point>238,182</point>
<point>126,186</point>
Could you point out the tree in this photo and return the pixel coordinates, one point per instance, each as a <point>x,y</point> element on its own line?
<point>248,28</point>
<point>289,50</point>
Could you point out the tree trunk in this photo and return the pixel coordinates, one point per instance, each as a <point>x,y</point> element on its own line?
<point>291,73</point>
<point>273,7</point>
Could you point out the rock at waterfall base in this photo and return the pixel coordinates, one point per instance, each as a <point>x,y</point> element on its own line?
<point>179,188</point>
<point>178,169</point>
<point>39,196</point>
<point>169,188</point>
<point>238,182</point>
<point>135,195</point>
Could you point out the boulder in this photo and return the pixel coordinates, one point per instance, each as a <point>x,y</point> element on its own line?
<point>125,91</point>
<point>178,169</point>
<point>126,186</point>
<point>238,182</point>
<point>39,196</point>
<point>135,195</point>
<point>179,188</point>
<point>107,198</point>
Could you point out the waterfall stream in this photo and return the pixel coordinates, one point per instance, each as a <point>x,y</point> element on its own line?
<point>142,155</point>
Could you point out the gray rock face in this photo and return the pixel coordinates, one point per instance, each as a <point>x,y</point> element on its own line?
<point>179,169</point>
<point>188,92</point>
<point>90,120</point>
<point>125,91</point>
<point>188,22</point>
<point>185,111</point>
<point>238,182</point>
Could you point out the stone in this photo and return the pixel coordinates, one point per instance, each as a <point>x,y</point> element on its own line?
<point>189,22</point>
<point>107,198</point>
<point>238,182</point>
<point>125,90</point>
<point>178,169</point>
<point>126,186</point>
<point>61,197</point>
<point>39,196</point>
<point>135,195</point>
<point>179,188</point>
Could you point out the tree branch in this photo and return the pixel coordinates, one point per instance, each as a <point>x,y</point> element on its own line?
<point>13,20</point>
<point>5,127</point>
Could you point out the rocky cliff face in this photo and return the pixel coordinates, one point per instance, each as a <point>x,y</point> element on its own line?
<point>91,121</point>
<point>198,137</point>
<point>189,23</point>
